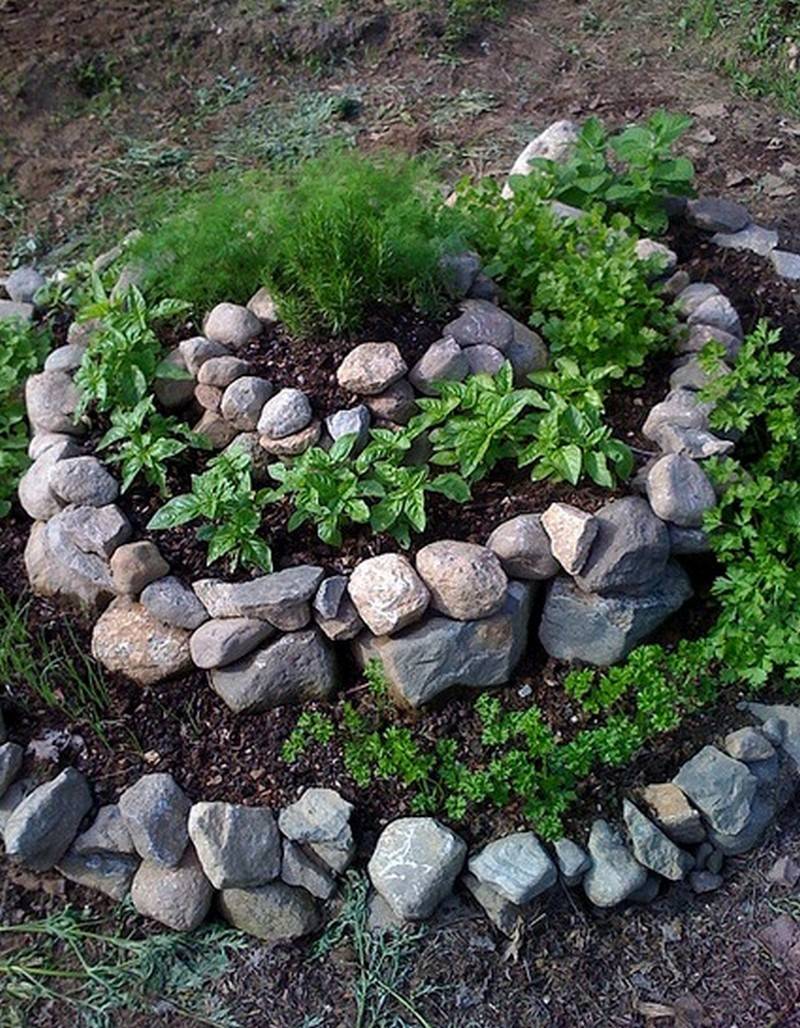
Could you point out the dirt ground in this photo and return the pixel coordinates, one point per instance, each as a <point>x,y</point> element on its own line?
<point>102,104</point>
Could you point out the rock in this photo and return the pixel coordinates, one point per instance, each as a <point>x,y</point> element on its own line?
<point>12,797</point>
<point>680,409</point>
<point>155,810</point>
<point>526,354</point>
<point>556,143</point>
<point>748,744</point>
<point>209,398</point>
<point>718,312</point>
<point>329,596</point>
<point>282,598</point>
<point>23,283</point>
<point>135,565</point>
<point>466,582</point>
<point>109,873</point>
<point>691,375</point>
<point>371,368</point>
<point>51,400</point>
<point>689,299</point>
<point>716,214</point>
<point>669,808</point>
<point>652,848</point>
<point>65,358</point>
<point>11,311</point>
<point>483,359</point>
<point>397,404</point>
<point>263,306</point>
<point>221,372</point>
<point>699,336</point>
<point>459,271</point>
<point>82,332</point>
<point>573,861</point>
<point>388,593</point>
<point>600,629</point>
<point>319,816</point>
<point>482,324</point>
<point>523,547</point>
<point>484,288</point>
<point>429,658</point>
<point>571,533</point>
<point>679,490</point>
<point>3,732</point>
<point>221,641</point>
<point>783,719</point>
<point>36,495</point>
<point>443,361</point>
<point>301,869</point>
<point>42,826</point>
<point>415,864</point>
<point>335,612</point>
<point>297,668</point>
<point>231,325</point>
<point>10,763</point>
<point>722,788</point>
<point>243,401</point>
<point>198,350</point>
<point>516,866</point>
<point>83,481</point>
<point>665,261</point>
<point>350,421</point>
<point>287,413</point>
<point>292,445</point>
<point>646,893</point>
<point>129,639</point>
<point>688,541</point>
<point>178,897</point>
<point>503,914</point>
<point>693,442</point>
<point>337,858</point>
<point>630,550</point>
<point>704,881</point>
<point>108,833</point>
<point>43,441</point>
<point>275,912</point>
<point>754,238</point>
<point>172,602</point>
<point>217,431</point>
<point>57,567</point>
<point>614,875</point>
<point>786,264</point>
<point>173,394</point>
<point>237,846</point>
<point>785,872</point>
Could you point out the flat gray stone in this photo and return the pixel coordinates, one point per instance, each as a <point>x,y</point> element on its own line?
<point>109,873</point>
<point>334,611</point>
<point>329,596</point>
<point>98,530</point>
<point>652,848</point>
<point>178,897</point>
<point>681,408</point>
<point>221,641</point>
<point>718,312</point>
<point>691,375</point>
<point>524,548</point>
<point>615,874</point>
<point>630,551</point>
<point>41,827</point>
<point>155,810</point>
<point>296,668</point>
<point>443,361</point>
<point>424,660</point>
<point>717,214</point>
<point>170,600</point>
<point>601,630</point>
<point>275,912</point>
<point>83,481</point>
<point>696,443</point>
<point>221,372</point>
<point>573,861</point>
<point>237,846</point>
<point>720,787</point>
<point>786,264</point>
<point>306,871</point>
<point>689,299</point>
<point>282,598</point>
<point>415,864</point>
<point>755,238</point>
<point>108,833</point>
<point>516,866</point>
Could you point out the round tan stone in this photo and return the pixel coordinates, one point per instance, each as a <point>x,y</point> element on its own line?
<point>466,581</point>
<point>388,593</point>
<point>129,639</point>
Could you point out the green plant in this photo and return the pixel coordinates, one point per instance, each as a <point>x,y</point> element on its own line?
<point>224,91</point>
<point>311,726</point>
<point>223,498</point>
<point>22,350</point>
<point>123,357</point>
<point>144,441</point>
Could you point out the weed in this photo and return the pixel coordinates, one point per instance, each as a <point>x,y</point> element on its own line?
<point>98,75</point>
<point>224,91</point>
<point>22,350</point>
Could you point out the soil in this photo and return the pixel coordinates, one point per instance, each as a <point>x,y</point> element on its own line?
<point>68,181</point>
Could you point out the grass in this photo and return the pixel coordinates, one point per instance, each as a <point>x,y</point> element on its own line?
<point>58,672</point>
<point>757,43</point>
<point>67,961</point>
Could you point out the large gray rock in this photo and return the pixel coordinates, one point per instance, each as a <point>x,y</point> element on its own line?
<point>484,359</point>
<point>523,547</point>
<point>652,848</point>
<point>109,873</point>
<point>388,593</point>
<point>466,581</point>
<point>51,400</point>
<point>129,639</point>
<point>231,325</point>
<point>717,214</point>
<point>601,630</point>
<point>83,481</point>
<point>722,788</point>
<point>282,598</point>
<point>571,533</point>
<point>155,810</point>
<point>36,495</point>
<point>679,490</point>
<point>526,354</point>
<point>614,875</point>
<point>425,660</point>
<point>718,312</point>
<point>443,361</point>
<point>287,413</point>
<point>221,641</point>
<point>237,846</point>
<point>681,408</point>
<point>699,336</point>
<point>10,310</point>
<point>396,405</point>
<point>243,401</point>
<point>170,600</point>
<point>98,530</point>
<point>693,442</point>
<point>370,368</point>
<point>108,833</point>
<point>23,283</point>
<point>482,324</point>
<point>459,271</point>
<point>178,897</point>
<point>220,372</point>
<point>275,912</point>
<point>516,866</point>
<point>630,550</point>
<point>65,358</point>
<point>58,568</point>
<point>415,864</point>
<point>504,915</point>
<point>42,826</point>
<point>262,304</point>
<point>296,668</point>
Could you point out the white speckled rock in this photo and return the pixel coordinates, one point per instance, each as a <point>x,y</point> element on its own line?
<point>388,593</point>
<point>288,412</point>
<point>370,368</point>
<point>129,639</point>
